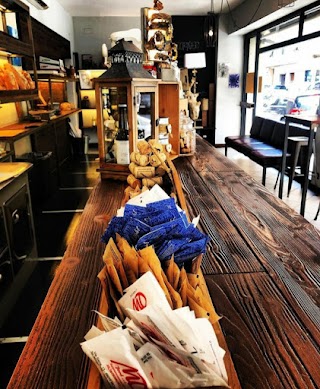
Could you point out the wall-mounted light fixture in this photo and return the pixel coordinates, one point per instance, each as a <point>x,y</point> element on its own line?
<point>210,28</point>
<point>39,4</point>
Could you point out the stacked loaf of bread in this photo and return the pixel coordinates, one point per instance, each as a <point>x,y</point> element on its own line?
<point>13,79</point>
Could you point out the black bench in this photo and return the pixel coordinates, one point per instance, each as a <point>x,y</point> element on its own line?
<point>265,143</point>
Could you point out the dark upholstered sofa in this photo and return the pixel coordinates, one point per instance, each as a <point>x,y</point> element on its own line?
<point>265,143</point>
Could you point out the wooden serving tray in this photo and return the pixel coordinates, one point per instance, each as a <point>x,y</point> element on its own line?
<point>94,379</point>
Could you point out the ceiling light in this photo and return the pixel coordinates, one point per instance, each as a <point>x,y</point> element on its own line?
<point>210,28</point>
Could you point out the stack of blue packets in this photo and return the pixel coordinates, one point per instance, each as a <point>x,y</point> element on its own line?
<point>162,225</point>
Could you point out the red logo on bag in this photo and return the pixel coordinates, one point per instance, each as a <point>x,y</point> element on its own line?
<point>139,301</point>
<point>130,374</point>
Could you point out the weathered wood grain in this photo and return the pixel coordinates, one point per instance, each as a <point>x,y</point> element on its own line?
<point>209,159</point>
<point>286,245</point>
<point>269,343</point>
<point>226,250</point>
<point>262,266</point>
<point>66,315</point>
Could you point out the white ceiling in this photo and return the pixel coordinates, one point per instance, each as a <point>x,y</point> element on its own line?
<point>87,8</point>
<point>132,7</point>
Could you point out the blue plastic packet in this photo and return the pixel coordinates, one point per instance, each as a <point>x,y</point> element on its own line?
<point>191,250</point>
<point>161,217</point>
<point>162,205</point>
<point>183,216</point>
<point>170,246</point>
<point>194,234</point>
<point>135,211</point>
<point>154,237</point>
<point>134,229</point>
<point>172,227</point>
<point>115,225</point>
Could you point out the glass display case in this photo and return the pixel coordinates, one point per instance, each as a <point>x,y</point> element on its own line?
<point>126,96</point>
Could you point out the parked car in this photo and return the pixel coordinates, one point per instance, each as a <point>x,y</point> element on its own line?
<point>307,104</point>
<point>279,106</point>
<point>280,87</point>
<point>316,86</point>
<point>302,104</point>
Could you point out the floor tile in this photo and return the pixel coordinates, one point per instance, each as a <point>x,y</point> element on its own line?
<point>294,199</point>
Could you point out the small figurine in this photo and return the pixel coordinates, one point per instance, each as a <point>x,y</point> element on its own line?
<point>157,5</point>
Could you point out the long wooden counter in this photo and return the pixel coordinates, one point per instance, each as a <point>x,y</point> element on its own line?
<point>13,132</point>
<point>261,267</point>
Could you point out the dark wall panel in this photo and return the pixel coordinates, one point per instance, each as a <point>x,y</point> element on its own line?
<point>189,35</point>
<point>48,43</point>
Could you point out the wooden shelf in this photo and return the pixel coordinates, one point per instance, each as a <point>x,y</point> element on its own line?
<point>15,46</point>
<point>18,47</point>
<point>18,95</point>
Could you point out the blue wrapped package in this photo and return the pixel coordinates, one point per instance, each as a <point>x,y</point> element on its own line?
<point>194,233</point>
<point>172,228</point>
<point>134,229</point>
<point>115,225</point>
<point>135,211</point>
<point>153,238</point>
<point>183,216</point>
<point>170,246</point>
<point>162,205</point>
<point>162,225</point>
<point>155,218</point>
<point>191,250</point>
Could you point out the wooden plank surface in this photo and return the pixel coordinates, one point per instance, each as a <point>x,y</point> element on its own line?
<point>227,252</point>
<point>269,343</point>
<point>262,272</point>
<point>271,318</point>
<point>208,158</point>
<point>66,314</point>
<point>286,245</point>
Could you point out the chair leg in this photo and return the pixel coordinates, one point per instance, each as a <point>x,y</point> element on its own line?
<point>275,185</point>
<point>264,173</point>
<point>226,150</point>
<point>317,214</point>
<point>289,183</point>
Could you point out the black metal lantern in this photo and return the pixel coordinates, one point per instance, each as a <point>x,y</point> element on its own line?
<point>126,62</point>
<point>210,28</point>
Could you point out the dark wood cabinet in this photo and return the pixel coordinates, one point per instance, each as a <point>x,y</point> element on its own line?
<point>54,139</point>
<point>62,141</point>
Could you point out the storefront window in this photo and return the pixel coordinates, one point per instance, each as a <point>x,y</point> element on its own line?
<point>291,80</point>
<point>280,33</point>
<point>311,21</point>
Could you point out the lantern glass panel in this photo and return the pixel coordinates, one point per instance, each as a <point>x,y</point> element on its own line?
<point>145,115</point>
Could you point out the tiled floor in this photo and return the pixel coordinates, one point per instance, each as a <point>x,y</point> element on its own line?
<point>294,199</point>
<point>55,222</point>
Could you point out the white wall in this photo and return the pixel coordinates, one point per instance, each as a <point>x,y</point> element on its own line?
<point>55,18</point>
<point>230,51</point>
<point>92,32</point>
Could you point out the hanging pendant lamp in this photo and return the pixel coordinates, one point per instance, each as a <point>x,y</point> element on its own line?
<point>210,31</point>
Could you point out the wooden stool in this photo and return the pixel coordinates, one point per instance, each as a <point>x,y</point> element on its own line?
<point>297,142</point>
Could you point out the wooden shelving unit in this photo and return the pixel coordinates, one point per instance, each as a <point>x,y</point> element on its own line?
<point>22,46</point>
